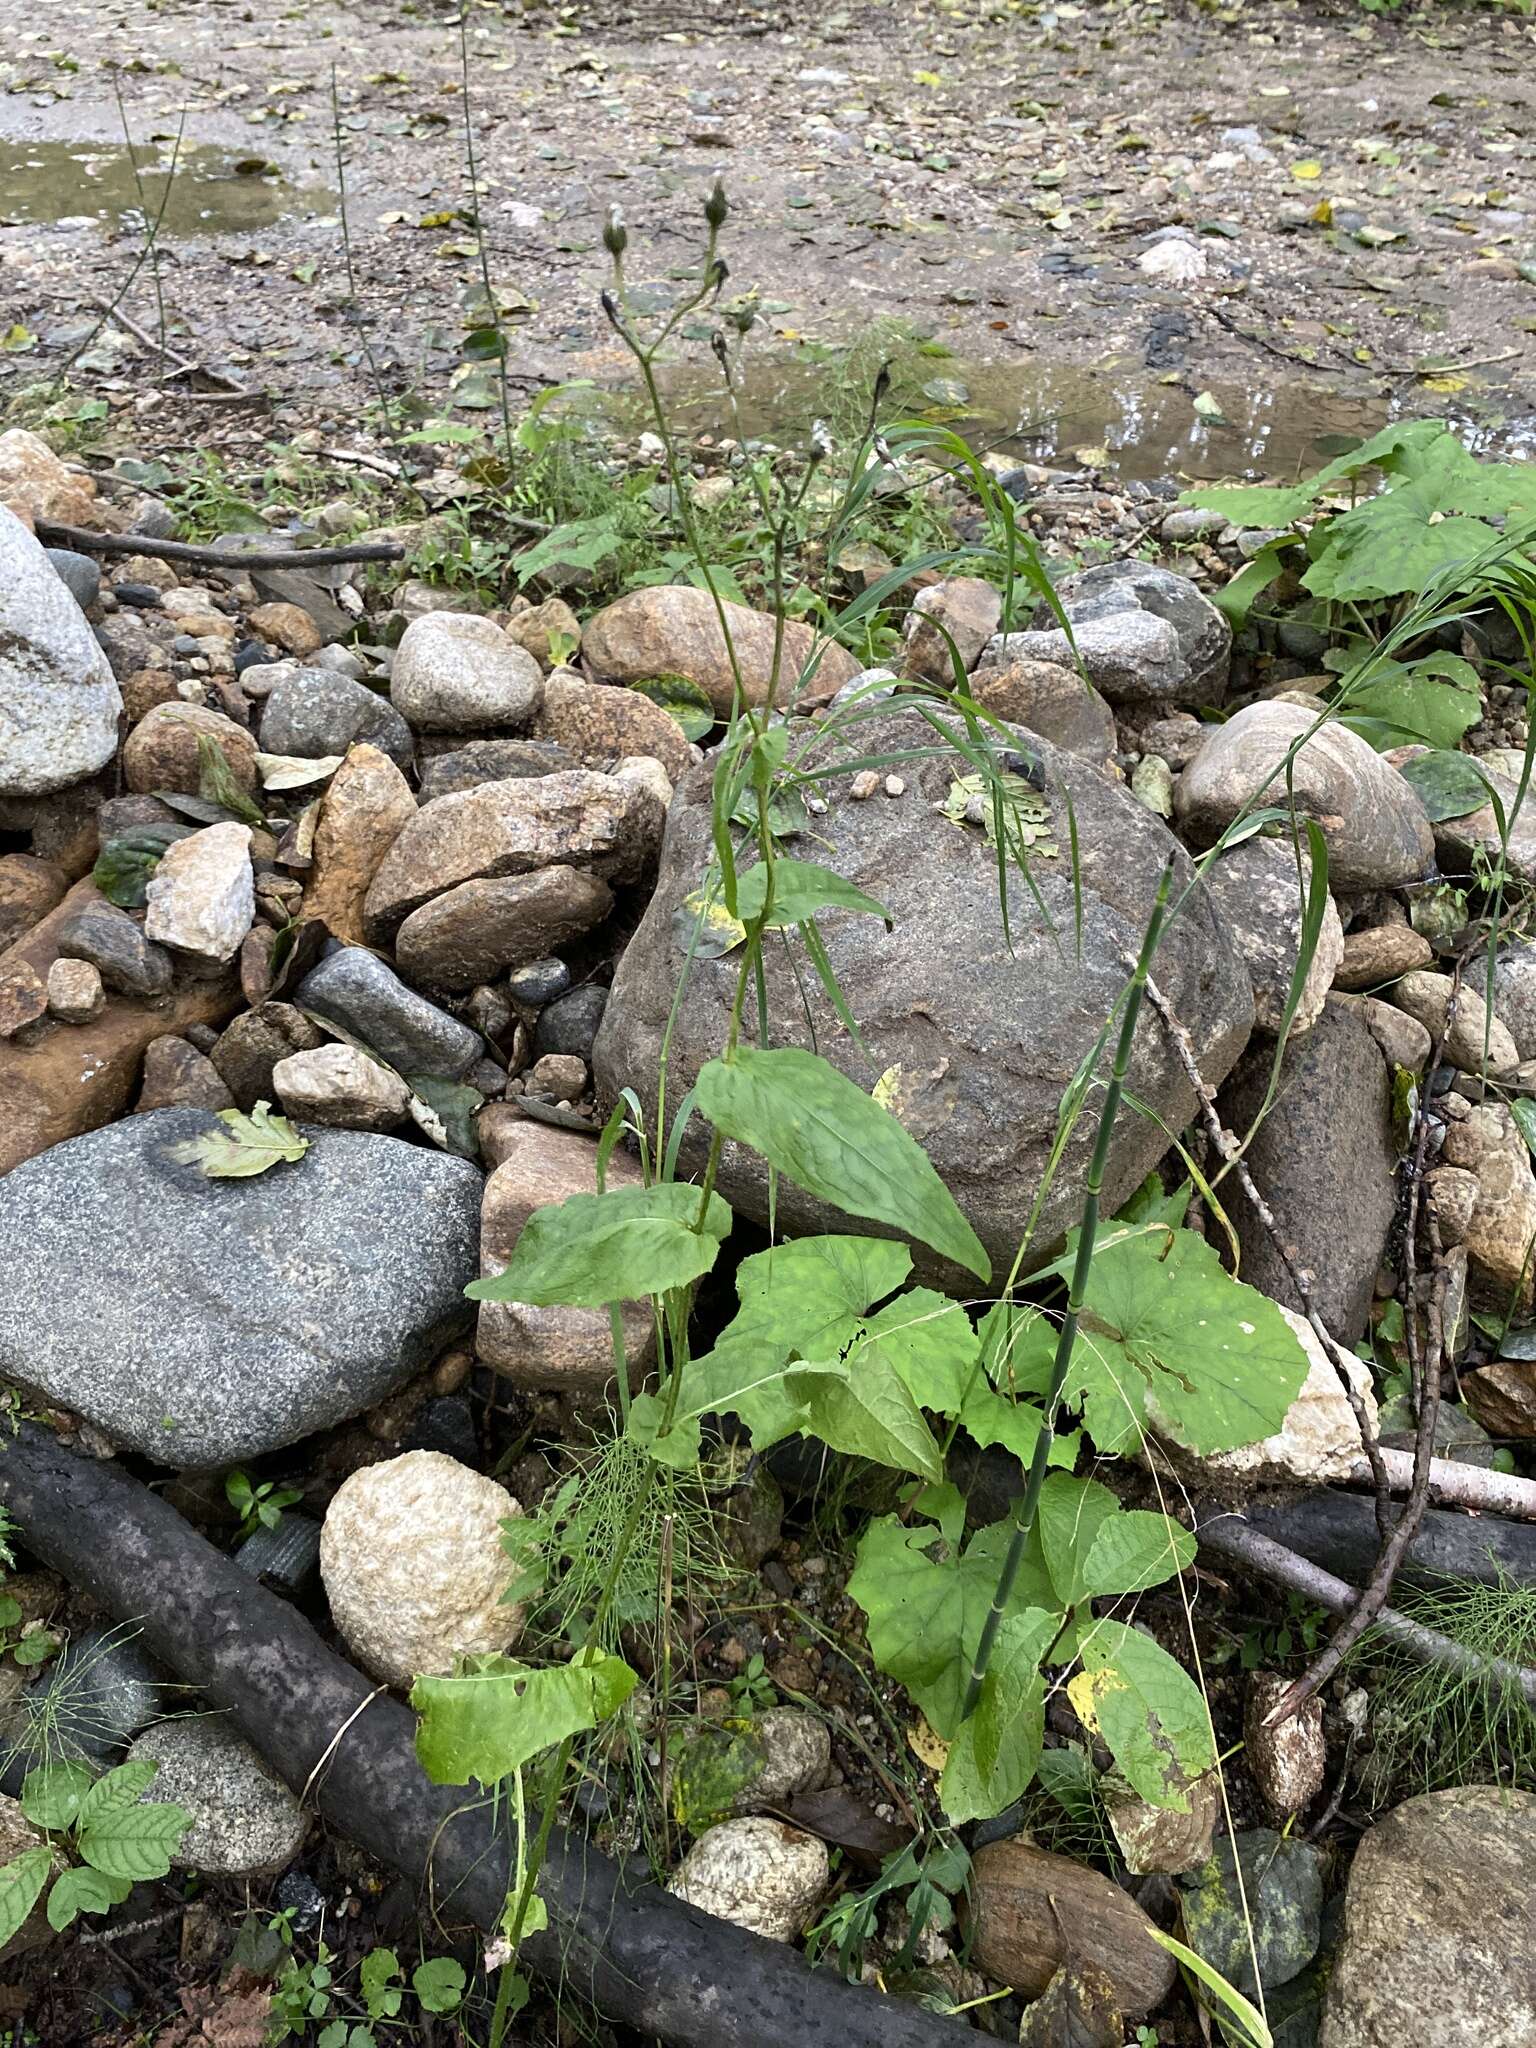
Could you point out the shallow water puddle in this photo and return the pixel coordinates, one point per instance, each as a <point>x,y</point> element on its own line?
<point>212,191</point>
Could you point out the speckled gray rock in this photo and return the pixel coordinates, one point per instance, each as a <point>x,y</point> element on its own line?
<point>492,761</point>
<point>1276,1915</point>
<point>79,574</point>
<point>414,1566</point>
<point>59,701</point>
<point>986,1033</point>
<point>357,990</point>
<point>1514,990</point>
<point>1261,896</point>
<point>571,1022</point>
<point>797,1748</point>
<point>1375,828</point>
<point>1325,1160</point>
<point>1439,1939</point>
<point>457,673</point>
<point>1144,634</point>
<point>1054,701</point>
<point>313,711</point>
<point>204,1321</point>
<point>244,1818</point>
<point>757,1873</point>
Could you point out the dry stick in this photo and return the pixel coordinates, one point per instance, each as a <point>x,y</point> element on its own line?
<point>1300,1277</point>
<point>1458,1486</point>
<point>234,560</point>
<point>1237,1539</point>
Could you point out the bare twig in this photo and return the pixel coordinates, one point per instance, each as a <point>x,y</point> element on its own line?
<point>1239,1540</point>
<point>1458,1486</point>
<point>55,535</point>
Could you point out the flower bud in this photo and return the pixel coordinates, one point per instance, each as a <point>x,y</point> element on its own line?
<point>716,207</point>
<point>615,234</point>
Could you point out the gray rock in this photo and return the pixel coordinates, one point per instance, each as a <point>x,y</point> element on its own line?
<point>491,761</point>
<point>471,933</point>
<point>1377,834</point>
<point>341,1087</point>
<point>201,899</point>
<point>1144,634</point>
<point>1281,1900</point>
<point>100,1690</point>
<point>540,982</point>
<point>1325,1160</point>
<point>571,1022</point>
<point>986,1036</point>
<point>357,990</point>
<point>59,701</point>
<point>1261,896</point>
<point>1054,701</point>
<point>1514,990</point>
<point>312,712</point>
<point>79,574</point>
<point>114,944</point>
<point>756,1873</point>
<point>1189,524</point>
<point>244,1818</point>
<point>1439,1941</point>
<point>457,673</point>
<point>201,1321</point>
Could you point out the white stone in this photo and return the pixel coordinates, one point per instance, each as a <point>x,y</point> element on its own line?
<point>414,1568</point>
<point>454,672</point>
<point>1319,1440</point>
<point>59,701</point>
<point>341,1086</point>
<point>797,1748</point>
<point>201,899</point>
<point>75,991</point>
<point>244,1818</point>
<point>757,1873</point>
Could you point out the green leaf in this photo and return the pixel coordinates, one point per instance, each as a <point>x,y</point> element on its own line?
<point>255,1143</point>
<point>1148,1710</point>
<point>930,1343</point>
<point>216,783</point>
<point>926,1601</point>
<point>682,700</point>
<point>376,1979</point>
<point>83,1890</point>
<point>21,1885</point>
<point>1169,1342</point>
<point>1093,1546</point>
<point>801,890</point>
<point>1236,599</point>
<point>439,1984</point>
<point>125,864</point>
<point>1255,2029</point>
<point>453,1106</point>
<point>1523,1110</point>
<point>492,1717</point>
<point>137,1842</point>
<point>590,1250</point>
<point>996,1750</point>
<point>818,1127</point>
<point>51,1796</point>
<point>864,1409</point>
<point>1409,707</point>
<point>1448,785</point>
<point>116,1792</point>
<point>1397,542</point>
<point>579,544</point>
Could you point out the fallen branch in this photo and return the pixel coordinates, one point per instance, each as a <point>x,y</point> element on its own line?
<point>180,364</point>
<point>1235,1538</point>
<point>642,1958</point>
<point>1335,1531</point>
<point>53,535</point>
<point>1455,1485</point>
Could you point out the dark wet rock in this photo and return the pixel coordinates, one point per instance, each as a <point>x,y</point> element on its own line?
<point>313,712</point>
<point>491,761</point>
<point>1325,1160</point>
<point>362,993</point>
<point>986,1036</point>
<point>117,947</point>
<point>571,1022</point>
<point>1280,1900</point>
<point>79,574</point>
<point>202,1321</point>
<point>471,933</point>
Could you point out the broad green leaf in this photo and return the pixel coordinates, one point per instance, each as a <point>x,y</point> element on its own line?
<point>1169,1342</point>
<point>439,1984</point>
<point>1148,1710</point>
<point>865,1410</point>
<point>818,1127</point>
<point>996,1749</point>
<point>579,544</point>
<point>1094,1546</point>
<point>930,1343</point>
<point>1402,708</point>
<point>682,700</point>
<point>125,864</point>
<point>590,1250</point>
<point>495,1715</point>
<point>1395,543</point>
<point>1448,785</point>
<point>254,1144</point>
<point>446,1111</point>
<point>801,890</point>
<point>137,1842</point>
<point>376,1978</point>
<point>116,1791</point>
<point>52,1795</point>
<point>1254,2028</point>
<point>83,1890</point>
<point>926,1601</point>
<point>21,1885</point>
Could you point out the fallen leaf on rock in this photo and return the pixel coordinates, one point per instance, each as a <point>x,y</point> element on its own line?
<point>255,1143</point>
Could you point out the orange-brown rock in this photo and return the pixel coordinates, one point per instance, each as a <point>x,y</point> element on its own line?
<point>363,813</point>
<point>671,629</point>
<point>1031,1912</point>
<point>75,1077</point>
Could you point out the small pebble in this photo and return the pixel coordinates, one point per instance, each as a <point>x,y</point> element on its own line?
<point>75,991</point>
<point>864,785</point>
<point>895,786</point>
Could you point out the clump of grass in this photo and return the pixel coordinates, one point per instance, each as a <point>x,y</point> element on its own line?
<point>1435,1727</point>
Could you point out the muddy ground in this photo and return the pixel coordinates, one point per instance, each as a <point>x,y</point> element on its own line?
<point>988,173</point>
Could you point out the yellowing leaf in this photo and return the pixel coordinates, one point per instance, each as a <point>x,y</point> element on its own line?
<point>1444,382</point>
<point>253,1145</point>
<point>927,1745</point>
<point>1307,171</point>
<point>1088,1689</point>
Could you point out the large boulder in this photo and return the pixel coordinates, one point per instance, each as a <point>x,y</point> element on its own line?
<point>203,1321</point>
<point>671,629</point>
<point>1439,1941</point>
<point>1324,1159</point>
<point>980,1031</point>
<point>59,701</point>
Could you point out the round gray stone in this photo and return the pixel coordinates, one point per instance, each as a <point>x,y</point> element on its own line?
<point>203,1321</point>
<point>244,1818</point>
<point>59,702</point>
<point>314,711</point>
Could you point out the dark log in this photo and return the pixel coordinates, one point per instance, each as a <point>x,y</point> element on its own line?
<point>1338,1531</point>
<point>615,1939</point>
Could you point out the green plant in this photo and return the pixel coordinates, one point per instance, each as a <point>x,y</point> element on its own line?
<point>752,1689</point>
<point>118,1839</point>
<point>926,1876</point>
<point>308,1994</point>
<point>258,1505</point>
